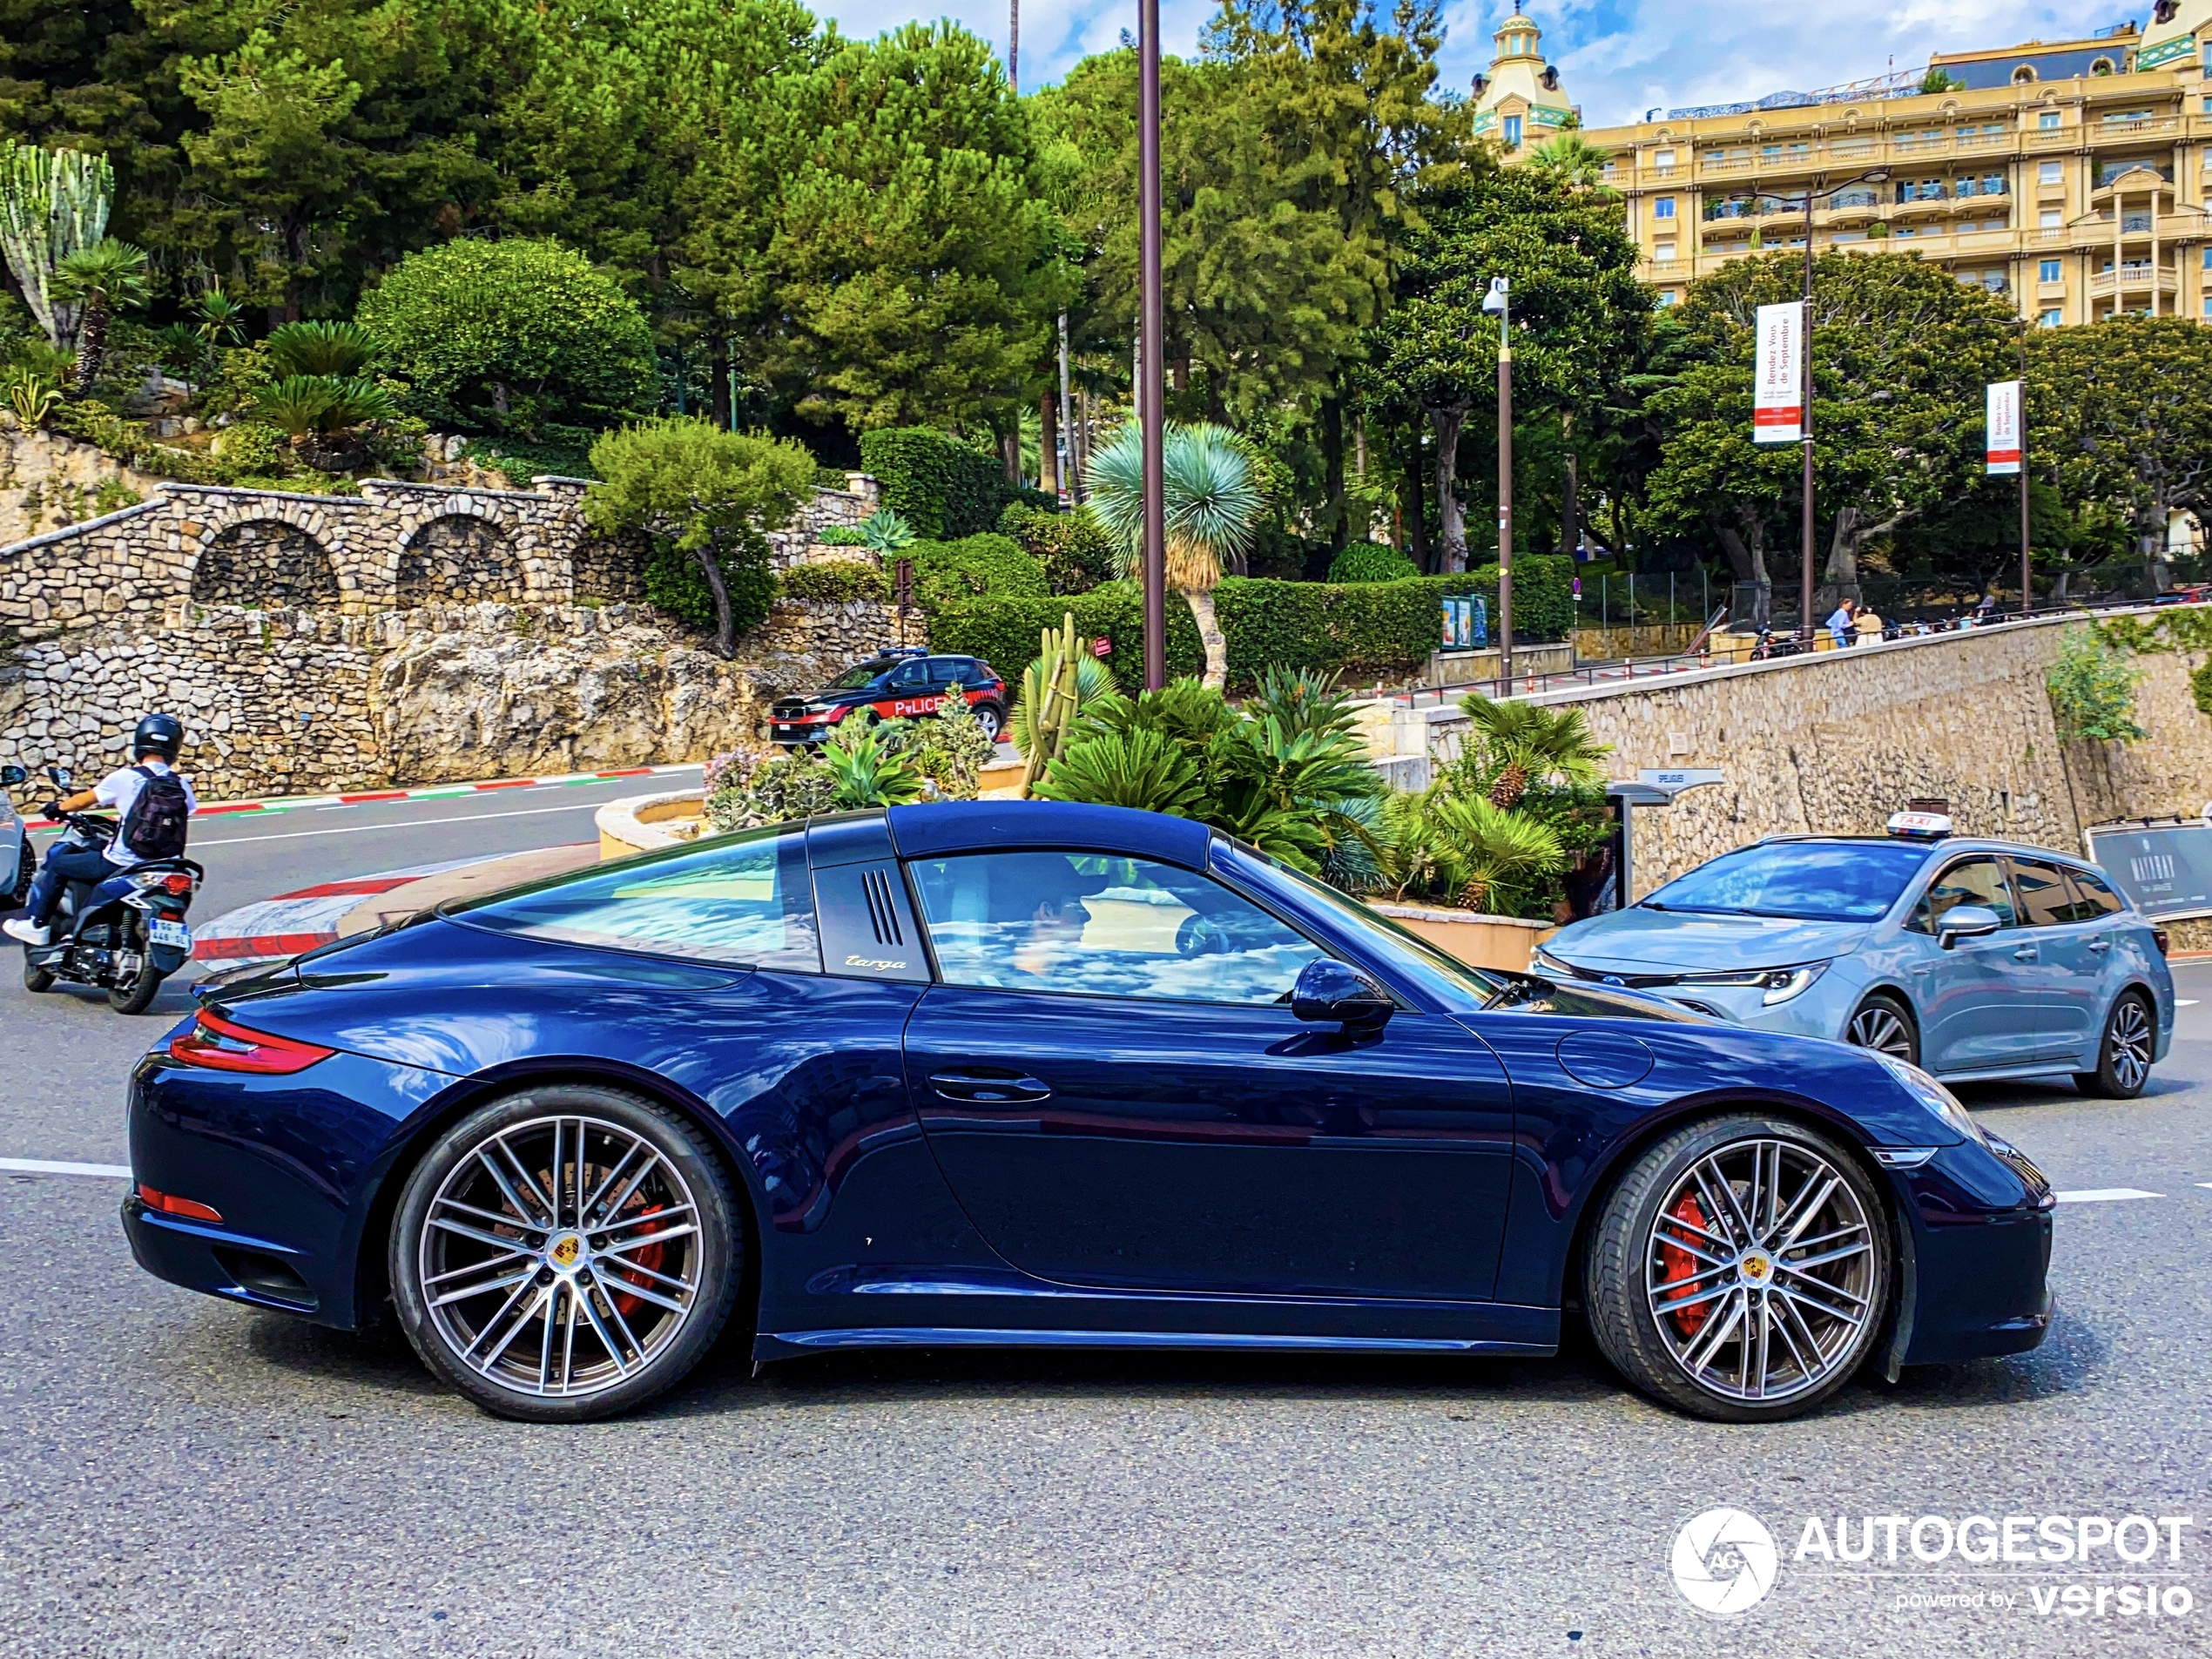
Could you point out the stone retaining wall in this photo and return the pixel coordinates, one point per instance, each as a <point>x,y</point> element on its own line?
<point>1836,742</point>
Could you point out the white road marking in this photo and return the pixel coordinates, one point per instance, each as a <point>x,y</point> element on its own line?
<point>2106,1195</point>
<point>2185,1001</point>
<point>2205,1183</point>
<point>420,823</point>
<point>49,1166</point>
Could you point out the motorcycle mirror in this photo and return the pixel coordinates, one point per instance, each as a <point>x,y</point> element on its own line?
<point>61,776</point>
<point>10,776</point>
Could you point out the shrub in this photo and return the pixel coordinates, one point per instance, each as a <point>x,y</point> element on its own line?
<point>1363,630</point>
<point>975,568</point>
<point>835,581</point>
<point>841,536</point>
<point>945,490</point>
<point>507,336</point>
<point>1371,562</point>
<point>2092,687</point>
<point>316,348</point>
<point>1073,548</point>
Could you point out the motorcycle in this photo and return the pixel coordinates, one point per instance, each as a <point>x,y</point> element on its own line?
<point>123,936</point>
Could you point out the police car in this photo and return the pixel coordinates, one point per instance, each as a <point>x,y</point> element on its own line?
<point>898,683</point>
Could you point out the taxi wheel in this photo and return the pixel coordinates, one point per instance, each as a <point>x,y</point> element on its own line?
<point>1885,1024</point>
<point>2124,1053</point>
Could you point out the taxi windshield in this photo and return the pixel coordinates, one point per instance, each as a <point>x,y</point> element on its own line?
<point>1801,881</point>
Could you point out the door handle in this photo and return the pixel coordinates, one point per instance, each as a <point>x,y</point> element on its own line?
<point>2025,954</point>
<point>2101,946</point>
<point>983,1089</point>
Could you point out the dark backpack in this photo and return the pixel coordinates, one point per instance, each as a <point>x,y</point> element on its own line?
<point>155,828</point>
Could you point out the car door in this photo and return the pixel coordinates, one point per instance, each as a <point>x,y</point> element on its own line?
<point>2066,967</point>
<point>1974,1014</point>
<point>1119,1095</point>
<point>906,692</point>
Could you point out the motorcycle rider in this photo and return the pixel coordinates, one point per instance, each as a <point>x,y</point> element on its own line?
<point>154,747</point>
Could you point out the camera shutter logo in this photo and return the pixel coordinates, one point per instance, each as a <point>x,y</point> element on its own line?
<point>1724,1562</point>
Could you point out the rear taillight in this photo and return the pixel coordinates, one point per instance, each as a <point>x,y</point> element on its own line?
<point>2158,938</point>
<point>177,882</point>
<point>220,1045</point>
<point>170,1205</point>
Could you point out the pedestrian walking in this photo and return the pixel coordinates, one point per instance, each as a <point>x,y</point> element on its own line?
<point>1839,625</point>
<point>1867,625</point>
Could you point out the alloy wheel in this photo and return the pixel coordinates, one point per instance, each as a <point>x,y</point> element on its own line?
<point>1760,1271</point>
<point>2130,1043</point>
<point>989,719</point>
<point>561,1257</point>
<point>1879,1027</point>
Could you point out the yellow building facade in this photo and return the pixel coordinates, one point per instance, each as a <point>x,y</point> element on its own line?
<point>2071,176</point>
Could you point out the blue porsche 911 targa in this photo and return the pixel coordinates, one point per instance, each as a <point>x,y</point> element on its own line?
<point>1047,1075</point>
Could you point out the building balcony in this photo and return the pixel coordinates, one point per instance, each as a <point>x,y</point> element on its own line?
<point>2135,279</point>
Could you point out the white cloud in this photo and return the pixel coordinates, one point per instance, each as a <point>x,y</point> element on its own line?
<point>1618,58</point>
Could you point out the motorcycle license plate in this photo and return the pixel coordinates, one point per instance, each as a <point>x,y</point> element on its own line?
<point>161,932</point>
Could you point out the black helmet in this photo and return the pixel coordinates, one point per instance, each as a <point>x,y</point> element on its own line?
<point>160,734</point>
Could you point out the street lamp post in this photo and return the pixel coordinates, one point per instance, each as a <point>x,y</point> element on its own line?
<point>1150,413</point>
<point>1495,302</point>
<point>1872,175</point>
<point>2027,593</point>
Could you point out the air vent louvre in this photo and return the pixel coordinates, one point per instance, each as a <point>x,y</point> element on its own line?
<point>883,913</point>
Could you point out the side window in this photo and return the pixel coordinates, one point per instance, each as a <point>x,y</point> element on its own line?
<point>740,901</point>
<point>2094,895</point>
<point>946,671</point>
<point>1091,925</point>
<point>1971,881</point>
<point>910,676</point>
<point>2045,899</point>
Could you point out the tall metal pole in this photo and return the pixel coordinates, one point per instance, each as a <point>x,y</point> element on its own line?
<point>1804,572</point>
<point>2027,593</point>
<point>1068,478</point>
<point>1505,495</point>
<point>1150,410</point>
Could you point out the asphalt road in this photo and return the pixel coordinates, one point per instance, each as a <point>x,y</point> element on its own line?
<point>185,1476</point>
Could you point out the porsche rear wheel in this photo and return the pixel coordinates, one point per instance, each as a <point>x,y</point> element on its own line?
<point>1740,1269</point>
<point>567,1253</point>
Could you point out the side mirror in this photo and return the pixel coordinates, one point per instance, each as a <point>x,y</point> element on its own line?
<point>1330,992</point>
<point>61,776</point>
<point>10,776</point>
<point>1966,921</point>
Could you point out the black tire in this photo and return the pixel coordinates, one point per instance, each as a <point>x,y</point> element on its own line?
<point>992,719</point>
<point>136,995</point>
<point>35,979</point>
<point>573,1274</point>
<point>1626,1251</point>
<point>2124,1050</point>
<point>1882,1023</point>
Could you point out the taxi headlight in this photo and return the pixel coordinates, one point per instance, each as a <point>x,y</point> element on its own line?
<point>1774,984</point>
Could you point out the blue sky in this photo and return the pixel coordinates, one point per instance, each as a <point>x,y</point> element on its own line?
<point>1618,58</point>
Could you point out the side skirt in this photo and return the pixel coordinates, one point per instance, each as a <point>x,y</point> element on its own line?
<point>790,1345</point>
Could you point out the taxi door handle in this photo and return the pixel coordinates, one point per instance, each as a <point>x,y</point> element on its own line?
<point>2101,946</point>
<point>2025,954</point>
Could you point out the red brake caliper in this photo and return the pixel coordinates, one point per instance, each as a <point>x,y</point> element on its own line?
<point>649,1258</point>
<point>1678,1266</point>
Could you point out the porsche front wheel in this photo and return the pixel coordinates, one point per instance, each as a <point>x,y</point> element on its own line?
<point>1740,1269</point>
<point>567,1253</point>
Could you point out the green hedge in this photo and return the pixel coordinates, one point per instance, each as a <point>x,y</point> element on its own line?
<point>1074,549</point>
<point>1363,630</point>
<point>972,570</point>
<point>835,581</point>
<point>1371,562</point>
<point>945,490</point>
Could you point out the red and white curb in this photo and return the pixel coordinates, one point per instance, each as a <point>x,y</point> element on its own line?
<point>435,792</point>
<point>293,923</point>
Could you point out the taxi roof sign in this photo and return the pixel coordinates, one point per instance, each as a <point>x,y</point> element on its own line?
<point>1919,827</point>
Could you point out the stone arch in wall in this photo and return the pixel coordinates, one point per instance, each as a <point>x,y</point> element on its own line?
<point>458,558</point>
<point>265,564</point>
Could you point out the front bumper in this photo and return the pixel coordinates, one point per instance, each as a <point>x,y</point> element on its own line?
<point>1981,1255</point>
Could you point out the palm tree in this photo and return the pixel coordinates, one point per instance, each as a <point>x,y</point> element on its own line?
<point>1214,501</point>
<point>1519,743</point>
<point>102,278</point>
<point>1572,160</point>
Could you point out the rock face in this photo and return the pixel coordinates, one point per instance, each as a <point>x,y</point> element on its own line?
<point>48,482</point>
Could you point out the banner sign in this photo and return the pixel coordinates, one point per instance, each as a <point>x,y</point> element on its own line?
<point>1467,623</point>
<point>1778,404</point>
<point>2165,871</point>
<point>2004,441</point>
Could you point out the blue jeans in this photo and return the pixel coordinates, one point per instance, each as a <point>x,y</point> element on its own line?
<point>65,865</point>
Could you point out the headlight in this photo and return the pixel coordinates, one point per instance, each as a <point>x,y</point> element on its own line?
<point>1932,1095</point>
<point>1775,984</point>
<point>1542,961</point>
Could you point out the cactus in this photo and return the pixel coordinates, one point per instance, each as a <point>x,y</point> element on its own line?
<point>53,202</point>
<point>1052,687</point>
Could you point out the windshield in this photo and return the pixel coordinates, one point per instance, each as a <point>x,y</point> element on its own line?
<point>1801,881</point>
<point>1456,987</point>
<point>860,679</point>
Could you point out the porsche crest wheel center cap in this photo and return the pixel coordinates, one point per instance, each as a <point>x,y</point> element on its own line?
<point>565,1251</point>
<point>1756,1267</point>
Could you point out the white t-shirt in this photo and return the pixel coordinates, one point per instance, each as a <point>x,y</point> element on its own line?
<point>119,792</point>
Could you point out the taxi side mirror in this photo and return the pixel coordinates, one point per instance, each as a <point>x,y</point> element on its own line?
<point>1966,922</point>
